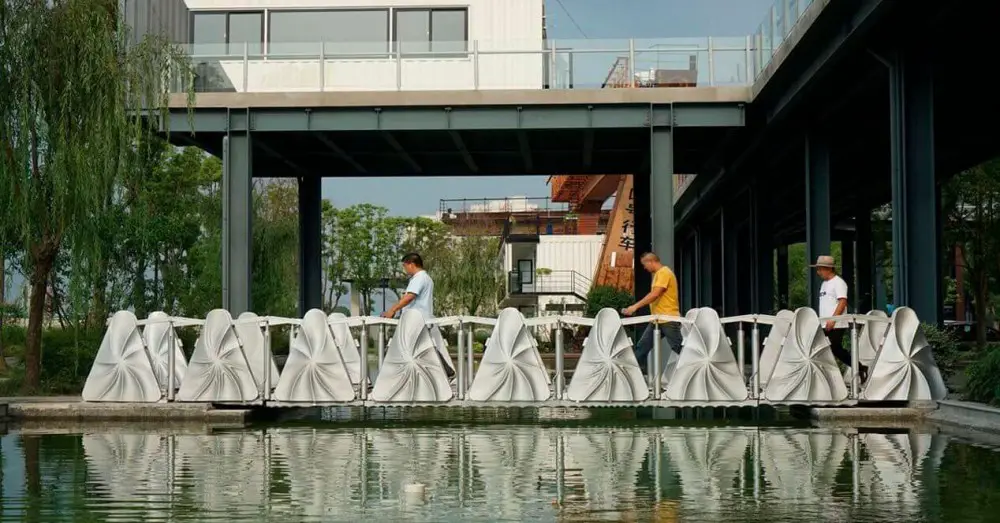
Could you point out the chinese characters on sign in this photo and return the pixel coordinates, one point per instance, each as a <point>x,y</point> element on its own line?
<point>627,238</point>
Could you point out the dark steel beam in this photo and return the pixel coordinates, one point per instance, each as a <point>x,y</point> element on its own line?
<point>522,142</point>
<point>391,140</point>
<point>588,148</point>
<point>340,152</point>
<point>456,138</point>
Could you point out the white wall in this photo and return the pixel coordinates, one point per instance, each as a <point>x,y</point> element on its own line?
<point>570,252</point>
<point>501,25</point>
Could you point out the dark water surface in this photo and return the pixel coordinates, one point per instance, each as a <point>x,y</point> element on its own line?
<point>529,472</point>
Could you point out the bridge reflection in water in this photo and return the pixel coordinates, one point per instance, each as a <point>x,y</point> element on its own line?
<point>519,473</point>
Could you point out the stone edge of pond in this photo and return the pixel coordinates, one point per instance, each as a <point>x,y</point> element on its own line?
<point>967,415</point>
<point>909,413</point>
<point>76,410</point>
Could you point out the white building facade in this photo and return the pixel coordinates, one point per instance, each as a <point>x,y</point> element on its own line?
<point>550,274</point>
<point>356,45</point>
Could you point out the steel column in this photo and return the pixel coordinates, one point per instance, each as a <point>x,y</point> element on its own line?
<point>782,264</point>
<point>730,265</point>
<point>915,202</point>
<point>818,225</point>
<point>310,244</point>
<point>763,251</point>
<point>848,273</point>
<point>642,189</point>
<point>706,266</point>
<point>864,271</point>
<point>661,194</point>
<point>237,227</point>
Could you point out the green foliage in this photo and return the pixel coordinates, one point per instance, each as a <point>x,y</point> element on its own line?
<point>983,384</point>
<point>65,364</point>
<point>468,276</point>
<point>601,297</point>
<point>946,348</point>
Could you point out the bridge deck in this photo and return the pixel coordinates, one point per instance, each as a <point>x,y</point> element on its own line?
<point>464,98</point>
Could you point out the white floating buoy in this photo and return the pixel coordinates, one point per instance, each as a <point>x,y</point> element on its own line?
<point>415,492</point>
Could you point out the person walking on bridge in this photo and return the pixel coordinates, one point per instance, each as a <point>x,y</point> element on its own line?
<point>662,300</point>
<point>833,302</point>
<point>419,296</point>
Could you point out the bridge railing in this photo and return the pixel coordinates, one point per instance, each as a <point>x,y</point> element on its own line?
<point>232,361</point>
<point>774,29</point>
<point>471,65</point>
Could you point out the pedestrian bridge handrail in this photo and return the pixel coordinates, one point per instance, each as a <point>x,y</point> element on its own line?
<point>793,363</point>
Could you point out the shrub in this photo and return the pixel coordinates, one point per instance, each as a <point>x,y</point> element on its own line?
<point>946,348</point>
<point>603,296</point>
<point>983,374</point>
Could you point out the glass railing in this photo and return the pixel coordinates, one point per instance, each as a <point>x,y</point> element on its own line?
<point>472,65</point>
<point>774,30</point>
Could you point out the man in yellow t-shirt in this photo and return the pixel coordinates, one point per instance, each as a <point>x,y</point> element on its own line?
<point>662,300</point>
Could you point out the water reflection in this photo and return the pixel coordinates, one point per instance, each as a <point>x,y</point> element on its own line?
<point>517,473</point>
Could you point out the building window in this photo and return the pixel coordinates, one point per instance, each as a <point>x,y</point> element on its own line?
<point>431,30</point>
<point>526,271</point>
<point>342,32</point>
<point>226,33</point>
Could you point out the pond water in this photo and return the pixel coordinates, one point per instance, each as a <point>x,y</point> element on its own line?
<point>529,472</point>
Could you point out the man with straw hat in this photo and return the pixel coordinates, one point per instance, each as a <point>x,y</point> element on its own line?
<point>833,302</point>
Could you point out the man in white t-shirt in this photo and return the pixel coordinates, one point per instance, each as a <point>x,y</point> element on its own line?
<point>419,295</point>
<point>833,302</point>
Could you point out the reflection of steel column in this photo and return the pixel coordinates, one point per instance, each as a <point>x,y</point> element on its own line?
<point>461,451</point>
<point>856,468</point>
<point>560,468</point>
<point>267,460</point>
<point>658,464</point>
<point>171,465</point>
<point>364,469</point>
<point>756,458</point>
<point>461,358</point>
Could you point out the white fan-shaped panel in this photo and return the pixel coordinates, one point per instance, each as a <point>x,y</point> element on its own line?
<point>512,368</point>
<point>607,369</point>
<point>122,370</point>
<point>254,348</point>
<point>905,369</point>
<point>806,369</point>
<point>870,337</point>
<point>315,372</point>
<point>157,335</point>
<point>218,370</point>
<point>706,369</point>
<point>412,370</point>
<point>345,342</point>
<point>442,348</point>
<point>772,345</point>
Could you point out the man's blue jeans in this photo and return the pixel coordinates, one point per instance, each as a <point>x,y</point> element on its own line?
<point>671,331</point>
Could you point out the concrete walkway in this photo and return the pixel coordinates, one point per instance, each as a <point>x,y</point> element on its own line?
<point>72,408</point>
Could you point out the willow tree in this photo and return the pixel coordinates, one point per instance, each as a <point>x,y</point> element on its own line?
<point>74,93</point>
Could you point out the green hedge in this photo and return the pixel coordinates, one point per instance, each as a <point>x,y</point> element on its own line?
<point>602,296</point>
<point>983,375</point>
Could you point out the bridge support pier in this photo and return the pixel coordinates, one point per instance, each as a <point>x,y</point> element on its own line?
<point>310,244</point>
<point>661,191</point>
<point>848,273</point>
<point>762,251</point>
<point>782,263</point>
<point>863,254</point>
<point>818,224</point>
<point>237,215</point>
<point>730,263</point>
<point>915,201</point>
